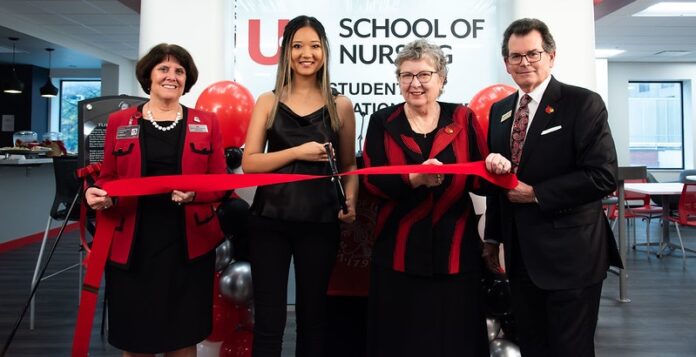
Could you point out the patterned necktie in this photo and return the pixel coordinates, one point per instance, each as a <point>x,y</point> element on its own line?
<point>519,131</point>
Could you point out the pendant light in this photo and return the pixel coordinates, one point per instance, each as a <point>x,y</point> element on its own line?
<point>49,90</point>
<point>13,85</point>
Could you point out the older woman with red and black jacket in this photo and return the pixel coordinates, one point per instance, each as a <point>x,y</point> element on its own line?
<point>159,280</point>
<point>425,282</point>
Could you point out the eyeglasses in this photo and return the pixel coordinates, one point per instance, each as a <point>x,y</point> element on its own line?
<point>423,76</point>
<point>531,56</point>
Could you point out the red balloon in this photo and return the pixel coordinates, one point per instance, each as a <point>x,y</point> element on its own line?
<point>483,100</point>
<point>233,104</point>
<point>237,344</point>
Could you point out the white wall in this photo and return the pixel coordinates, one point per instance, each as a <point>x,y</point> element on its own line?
<point>619,76</point>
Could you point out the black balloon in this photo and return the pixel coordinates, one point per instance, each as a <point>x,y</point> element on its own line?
<point>233,156</point>
<point>497,291</point>
<point>233,214</point>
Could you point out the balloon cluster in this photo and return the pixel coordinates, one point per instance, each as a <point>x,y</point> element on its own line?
<point>233,308</point>
<point>500,320</point>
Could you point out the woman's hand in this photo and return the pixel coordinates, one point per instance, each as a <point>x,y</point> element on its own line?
<point>311,151</point>
<point>350,216</point>
<point>497,164</point>
<point>180,197</point>
<point>428,180</point>
<point>97,198</point>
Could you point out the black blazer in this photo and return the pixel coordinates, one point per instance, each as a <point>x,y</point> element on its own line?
<point>570,160</point>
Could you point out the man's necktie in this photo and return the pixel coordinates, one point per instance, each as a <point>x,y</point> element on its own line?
<point>519,131</point>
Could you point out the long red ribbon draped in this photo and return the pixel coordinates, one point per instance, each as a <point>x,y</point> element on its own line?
<point>205,183</point>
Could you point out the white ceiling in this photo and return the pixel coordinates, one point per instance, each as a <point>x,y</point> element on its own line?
<point>111,27</point>
<point>643,37</point>
<point>108,26</point>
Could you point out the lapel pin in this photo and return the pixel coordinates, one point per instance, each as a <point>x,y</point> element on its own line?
<point>449,130</point>
<point>549,109</point>
<point>506,116</point>
<point>196,119</point>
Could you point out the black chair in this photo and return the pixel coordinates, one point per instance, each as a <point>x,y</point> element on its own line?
<point>67,187</point>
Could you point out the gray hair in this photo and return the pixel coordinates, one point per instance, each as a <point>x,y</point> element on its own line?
<point>418,49</point>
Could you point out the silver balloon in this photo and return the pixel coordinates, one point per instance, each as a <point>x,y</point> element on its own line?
<point>504,348</point>
<point>223,255</point>
<point>493,326</point>
<point>235,283</point>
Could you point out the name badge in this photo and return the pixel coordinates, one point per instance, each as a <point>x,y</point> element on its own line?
<point>506,116</point>
<point>127,132</point>
<point>198,128</point>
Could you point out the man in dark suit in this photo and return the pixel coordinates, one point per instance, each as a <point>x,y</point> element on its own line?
<point>558,242</point>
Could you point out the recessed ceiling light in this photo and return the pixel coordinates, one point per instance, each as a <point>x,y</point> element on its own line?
<point>607,52</point>
<point>668,8</point>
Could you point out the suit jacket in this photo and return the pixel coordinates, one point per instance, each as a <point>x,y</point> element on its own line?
<point>201,152</point>
<point>570,160</point>
<point>424,230</point>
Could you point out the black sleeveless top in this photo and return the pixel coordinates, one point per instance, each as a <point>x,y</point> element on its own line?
<point>305,201</point>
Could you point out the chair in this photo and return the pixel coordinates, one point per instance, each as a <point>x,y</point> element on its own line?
<point>67,187</point>
<point>644,210</point>
<point>686,214</point>
<point>672,199</point>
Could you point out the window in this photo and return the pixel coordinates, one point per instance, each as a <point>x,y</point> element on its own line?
<point>71,92</point>
<point>656,124</point>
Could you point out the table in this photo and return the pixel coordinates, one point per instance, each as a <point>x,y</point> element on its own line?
<point>21,161</point>
<point>665,189</point>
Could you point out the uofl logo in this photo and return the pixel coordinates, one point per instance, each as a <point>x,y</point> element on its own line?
<point>255,42</point>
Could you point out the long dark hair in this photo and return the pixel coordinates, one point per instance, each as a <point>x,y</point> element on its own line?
<point>284,73</point>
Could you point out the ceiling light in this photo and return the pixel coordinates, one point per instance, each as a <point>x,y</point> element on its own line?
<point>607,52</point>
<point>13,85</point>
<point>674,9</point>
<point>49,90</point>
<point>672,53</point>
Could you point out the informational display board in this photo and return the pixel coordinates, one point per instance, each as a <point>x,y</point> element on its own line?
<point>92,116</point>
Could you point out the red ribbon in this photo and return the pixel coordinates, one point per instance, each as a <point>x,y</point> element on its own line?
<point>205,183</point>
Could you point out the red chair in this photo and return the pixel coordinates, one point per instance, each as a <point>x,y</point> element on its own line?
<point>644,210</point>
<point>686,214</point>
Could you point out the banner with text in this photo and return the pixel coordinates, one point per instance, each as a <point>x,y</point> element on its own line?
<point>364,38</point>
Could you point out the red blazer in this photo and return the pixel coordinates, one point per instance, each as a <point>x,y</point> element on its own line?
<point>202,153</point>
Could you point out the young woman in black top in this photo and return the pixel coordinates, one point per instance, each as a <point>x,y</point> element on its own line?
<point>287,134</point>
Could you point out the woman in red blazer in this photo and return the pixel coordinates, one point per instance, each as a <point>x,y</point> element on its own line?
<point>159,280</point>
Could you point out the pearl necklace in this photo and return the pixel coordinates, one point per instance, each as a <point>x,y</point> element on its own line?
<point>148,116</point>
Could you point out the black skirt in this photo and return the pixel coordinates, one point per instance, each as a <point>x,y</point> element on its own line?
<point>162,302</point>
<point>419,316</point>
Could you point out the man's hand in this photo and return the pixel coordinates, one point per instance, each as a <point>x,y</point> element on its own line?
<point>497,164</point>
<point>523,193</point>
<point>490,256</point>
